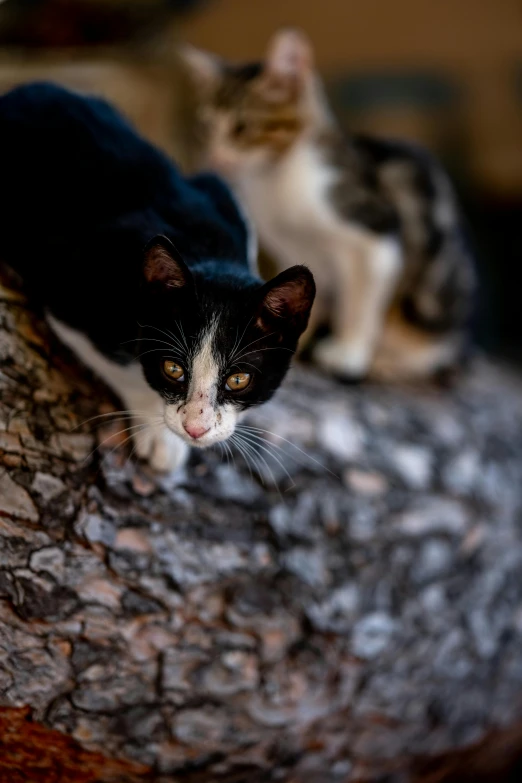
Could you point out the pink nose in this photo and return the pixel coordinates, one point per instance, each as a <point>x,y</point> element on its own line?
<point>195,430</point>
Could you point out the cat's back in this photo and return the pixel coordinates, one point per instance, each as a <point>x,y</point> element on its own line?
<point>412,178</point>
<point>65,154</point>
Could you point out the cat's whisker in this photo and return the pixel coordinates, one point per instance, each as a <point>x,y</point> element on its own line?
<point>259,432</point>
<point>243,454</point>
<point>164,333</point>
<point>134,436</point>
<point>232,455</point>
<point>177,346</point>
<point>177,339</point>
<point>264,447</point>
<point>256,459</point>
<point>180,326</point>
<point>115,435</point>
<point>260,350</point>
<point>228,451</point>
<point>221,449</point>
<point>261,441</point>
<point>237,344</point>
<point>244,347</point>
<point>115,416</point>
<point>231,354</point>
<point>263,461</point>
<point>238,365</point>
<point>173,353</point>
<point>155,425</point>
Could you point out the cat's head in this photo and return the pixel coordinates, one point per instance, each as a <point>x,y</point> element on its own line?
<point>215,340</point>
<point>251,114</point>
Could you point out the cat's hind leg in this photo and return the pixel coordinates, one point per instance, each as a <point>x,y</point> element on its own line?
<point>366,268</point>
<point>407,353</point>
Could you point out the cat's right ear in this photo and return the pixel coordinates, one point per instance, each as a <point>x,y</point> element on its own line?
<point>164,266</point>
<point>288,65</point>
<point>203,68</point>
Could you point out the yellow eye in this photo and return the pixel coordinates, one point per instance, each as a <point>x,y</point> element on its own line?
<point>238,381</point>
<point>173,371</point>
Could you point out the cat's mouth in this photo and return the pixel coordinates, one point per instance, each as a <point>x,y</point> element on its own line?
<point>201,433</point>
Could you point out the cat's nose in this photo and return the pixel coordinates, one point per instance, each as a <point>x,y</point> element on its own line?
<point>195,430</point>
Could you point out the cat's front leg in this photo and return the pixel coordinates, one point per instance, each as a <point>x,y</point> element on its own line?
<point>153,441</point>
<point>366,269</point>
<point>162,449</point>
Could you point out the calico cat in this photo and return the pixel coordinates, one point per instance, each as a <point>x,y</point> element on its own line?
<point>148,276</point>
<point>375,221</point>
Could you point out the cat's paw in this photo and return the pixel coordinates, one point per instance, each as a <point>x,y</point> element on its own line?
<point>163,450</point>
<point>346,360</point>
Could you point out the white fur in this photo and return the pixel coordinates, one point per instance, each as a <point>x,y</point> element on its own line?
<point>200,408</point>
<point>367,268</point>
<point>288,194</point>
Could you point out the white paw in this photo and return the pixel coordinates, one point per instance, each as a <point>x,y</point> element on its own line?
<point>163,450</point>
<point>341,357</point>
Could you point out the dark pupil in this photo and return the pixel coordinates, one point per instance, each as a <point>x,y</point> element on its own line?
<point>239,128</point>
<point>237,380</point>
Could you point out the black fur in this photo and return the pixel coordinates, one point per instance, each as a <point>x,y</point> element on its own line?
<point>84,194</point>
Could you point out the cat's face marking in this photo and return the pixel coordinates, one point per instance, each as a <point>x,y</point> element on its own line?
<point>252,114</point>
<point>230,344</point>
<point>202,419</point>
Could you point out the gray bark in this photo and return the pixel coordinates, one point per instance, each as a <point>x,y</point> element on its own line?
<point>215,626</point>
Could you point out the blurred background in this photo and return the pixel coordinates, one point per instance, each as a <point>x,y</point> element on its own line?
<point>446,73</point>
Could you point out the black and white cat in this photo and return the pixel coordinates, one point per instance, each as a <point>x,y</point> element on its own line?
<point>376,221</point>
<point>148,276</point>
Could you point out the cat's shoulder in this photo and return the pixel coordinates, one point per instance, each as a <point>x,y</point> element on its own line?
<point>227,218</point>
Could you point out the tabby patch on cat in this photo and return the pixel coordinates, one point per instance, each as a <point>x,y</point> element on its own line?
<point>148,276</point>
<point>376,221</point>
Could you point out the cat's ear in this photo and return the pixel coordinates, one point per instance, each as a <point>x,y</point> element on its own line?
<point>163,264</point>
<point>203,68</point>
<point>287,300</point>
<point>288,64</point>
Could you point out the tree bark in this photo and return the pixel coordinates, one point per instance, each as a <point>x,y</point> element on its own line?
<point>367,607</point>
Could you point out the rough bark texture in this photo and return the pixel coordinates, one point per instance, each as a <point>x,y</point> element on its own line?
<point>218,629</point>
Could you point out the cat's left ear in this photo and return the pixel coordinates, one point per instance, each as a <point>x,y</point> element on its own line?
<point>204,69</point>
<point>164,266</point>
<point>287,301</point>
<point>288,64</point>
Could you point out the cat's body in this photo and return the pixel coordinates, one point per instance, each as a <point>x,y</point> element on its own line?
<point>89,220</point>
<point>376,221</point>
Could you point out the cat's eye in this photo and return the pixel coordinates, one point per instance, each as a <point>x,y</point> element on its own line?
<point>238,381</point>
<point>174,371</point>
